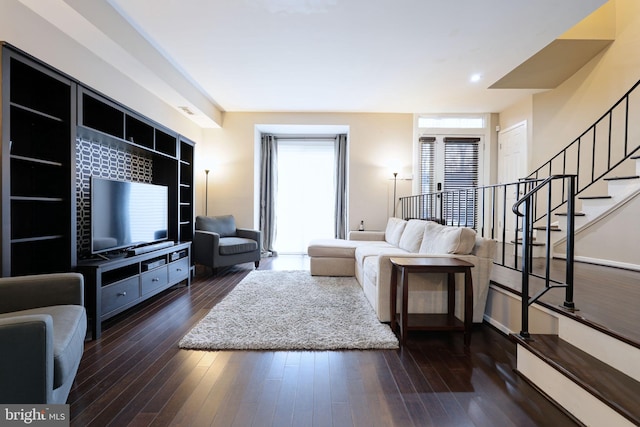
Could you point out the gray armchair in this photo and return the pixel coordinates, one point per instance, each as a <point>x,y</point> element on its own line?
<point>218,243</point>
<point>43,324</point>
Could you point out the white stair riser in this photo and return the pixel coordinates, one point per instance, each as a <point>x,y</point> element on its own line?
<point>573,398</point>
<point>615,353</point>
<point>619,189</point>
<point>593,208</point>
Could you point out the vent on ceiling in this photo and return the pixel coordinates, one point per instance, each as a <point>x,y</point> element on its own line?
<point>186,110</point>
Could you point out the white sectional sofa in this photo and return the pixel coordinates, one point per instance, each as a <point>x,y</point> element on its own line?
<point>366,256</point>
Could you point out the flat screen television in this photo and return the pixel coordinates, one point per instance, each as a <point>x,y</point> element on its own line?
<point>127,214</point>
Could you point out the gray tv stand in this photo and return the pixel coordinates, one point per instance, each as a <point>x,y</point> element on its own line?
<point>115,285</point>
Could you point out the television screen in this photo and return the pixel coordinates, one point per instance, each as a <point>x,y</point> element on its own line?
<point>126,214</point>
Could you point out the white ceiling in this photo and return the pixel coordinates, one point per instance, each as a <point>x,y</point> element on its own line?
<point>409,56</point>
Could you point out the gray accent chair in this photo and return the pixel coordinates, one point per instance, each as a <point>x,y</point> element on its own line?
<point>43,324</point>
<point>217,242</point>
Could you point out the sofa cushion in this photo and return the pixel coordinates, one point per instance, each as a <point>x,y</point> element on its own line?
<point>224,225</point>
<point>443,239</point>
<point>334,248</point>
<point>69,330</point>
<point>393,232</point>
<point>236,245</point>
<point>374,249</point>
<point>412,235</point>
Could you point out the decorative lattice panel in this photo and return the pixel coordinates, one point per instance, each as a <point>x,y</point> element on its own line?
<point>104,161</point>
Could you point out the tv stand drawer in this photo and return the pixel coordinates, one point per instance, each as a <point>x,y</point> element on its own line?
<point>154,279</point>
<point>120,294</point>
<point>179,270</point>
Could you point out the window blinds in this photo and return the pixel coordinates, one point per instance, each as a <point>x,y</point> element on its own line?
<point>459,172</point>
<point>427,165</point>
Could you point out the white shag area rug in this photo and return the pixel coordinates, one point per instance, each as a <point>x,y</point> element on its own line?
<point>291,310</point>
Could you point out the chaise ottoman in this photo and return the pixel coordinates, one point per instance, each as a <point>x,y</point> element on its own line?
<point>332,257</point>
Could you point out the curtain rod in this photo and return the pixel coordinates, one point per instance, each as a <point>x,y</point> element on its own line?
<point>307,138</point>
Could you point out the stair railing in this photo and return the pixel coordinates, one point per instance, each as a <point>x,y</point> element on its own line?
<point>487,210</point>
<point>599,149</point>
<point>527,214</point>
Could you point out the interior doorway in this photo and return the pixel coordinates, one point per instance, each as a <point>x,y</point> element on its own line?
<point>512,166</point>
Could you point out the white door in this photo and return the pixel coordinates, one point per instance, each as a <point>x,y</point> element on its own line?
<point>450,163</point>
<point>512,165</point>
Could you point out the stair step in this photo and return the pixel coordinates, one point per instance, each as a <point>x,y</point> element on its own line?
<point>565,214</point>
<point>534,243</point>
<point>615,389</point>
<point>621,178</point>
<point>594,197</point>
<point>544,227</point>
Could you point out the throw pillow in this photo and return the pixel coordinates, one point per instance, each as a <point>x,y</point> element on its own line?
<point>412,235</point>
<point>443,239</point>
<point>393,232</point>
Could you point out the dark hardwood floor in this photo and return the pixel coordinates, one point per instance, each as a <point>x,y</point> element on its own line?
<point>136,375</point>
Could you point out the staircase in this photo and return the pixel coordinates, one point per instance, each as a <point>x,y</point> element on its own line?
<point>587,369</point>
<point>592,374</point>
<point>620,190</point>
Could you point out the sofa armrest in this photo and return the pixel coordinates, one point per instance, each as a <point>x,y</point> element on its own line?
<point>375,236</point>
<point>42,290</point>
<point>26,371</point>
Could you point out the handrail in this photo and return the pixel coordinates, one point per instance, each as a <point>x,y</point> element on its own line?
<point>527,234</point>
<point>535,190</point>
<point>585,156</point>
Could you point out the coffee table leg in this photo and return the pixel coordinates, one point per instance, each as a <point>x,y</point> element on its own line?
<point>468,306</point>
<point>394,296</point>
<point>404,312</point>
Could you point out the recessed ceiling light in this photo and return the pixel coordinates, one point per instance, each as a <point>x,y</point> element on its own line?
<point>475,78</point>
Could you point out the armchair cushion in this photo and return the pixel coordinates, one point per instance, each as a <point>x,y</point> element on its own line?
<point>236,245</point>
<point>224,225</point>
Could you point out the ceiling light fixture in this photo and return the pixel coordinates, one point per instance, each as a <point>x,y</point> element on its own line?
<point>475,78</point>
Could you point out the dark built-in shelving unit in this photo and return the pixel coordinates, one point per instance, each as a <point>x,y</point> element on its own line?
<point>43,112</point>
<point>38,167</point>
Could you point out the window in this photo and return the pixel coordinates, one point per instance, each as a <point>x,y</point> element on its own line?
<point>460,173</point>
<point>451,122</point>
<point>449,164</point>
<point>306,193</point>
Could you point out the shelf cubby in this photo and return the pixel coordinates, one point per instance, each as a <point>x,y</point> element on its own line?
<point>138,132</point>
<point>37,136</point>
<point>32,178</point>
<point>39,218</point>
<point>101,116</point>
<point>165,143</point>
<point>32,87</point>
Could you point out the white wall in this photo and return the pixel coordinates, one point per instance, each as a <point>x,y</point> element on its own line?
<point>31,33</point>
<point>375,141</point>
<point>560,115</point>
